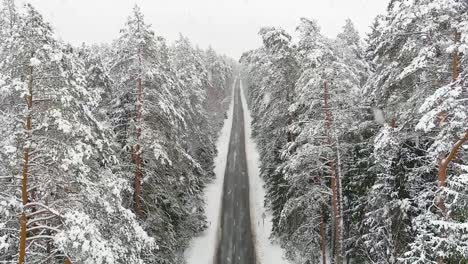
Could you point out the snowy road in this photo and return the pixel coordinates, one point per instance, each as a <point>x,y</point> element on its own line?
<point>236,242</point>
<point>229,238</point>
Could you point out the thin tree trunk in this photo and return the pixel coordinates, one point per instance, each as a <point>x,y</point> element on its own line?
<point>24,180</point>
<point>137,151</point>
<point>137,148</point>
<point>334,180</point>
<point>455,57</point>
<point>49,233</point>
<point>290,137</point>
<point>340,197</point>
<point>393,123</point>
<point>323,241</point>
<point>336,212</point>
<point>443,161</point>
<point>443,165</point>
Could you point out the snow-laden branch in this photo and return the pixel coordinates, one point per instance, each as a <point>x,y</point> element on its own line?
<point>35,204</point>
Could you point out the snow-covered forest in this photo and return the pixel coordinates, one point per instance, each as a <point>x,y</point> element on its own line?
<point>362,142</point>
<point>107,151</point>
<point>104,150</point>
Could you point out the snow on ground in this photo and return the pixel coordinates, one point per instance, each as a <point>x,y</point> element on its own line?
<point>202,248</point>
<point>267,252</point>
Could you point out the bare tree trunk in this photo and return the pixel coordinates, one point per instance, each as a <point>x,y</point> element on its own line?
<point>443,165</point>
<point>340,197</point>
<point>334,180</point>
<point>455,57</point>
<point>290,117</point>
<point>49,233</point>
<point>137,151</point>
<point>393,123</point>
<point>323,241</point>
<point>137,148</point>
<point>25,174</point>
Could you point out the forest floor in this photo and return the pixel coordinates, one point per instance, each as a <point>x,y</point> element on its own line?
<point>239,225</point>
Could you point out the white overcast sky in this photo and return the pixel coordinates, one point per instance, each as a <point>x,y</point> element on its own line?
<point>229,26</point>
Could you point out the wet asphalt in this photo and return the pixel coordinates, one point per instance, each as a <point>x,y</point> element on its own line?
<point>236,243</point>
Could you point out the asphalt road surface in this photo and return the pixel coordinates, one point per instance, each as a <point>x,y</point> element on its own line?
<point>235,245</point>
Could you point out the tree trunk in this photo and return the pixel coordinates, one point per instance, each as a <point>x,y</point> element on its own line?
<point>137,148</point>
<point>334,180</point>
<point>455,57</point>
<point>290,117</point>
<point>25,174</point>
<point>444,161</point>
<point>323,241</point>
<point>393,123</point>
<point>137,151</point>
<point>443,165</point>
<point>340,198</point>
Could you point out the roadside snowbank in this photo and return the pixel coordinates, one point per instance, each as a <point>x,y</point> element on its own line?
<point>202,248</point>
<point>267,252</point>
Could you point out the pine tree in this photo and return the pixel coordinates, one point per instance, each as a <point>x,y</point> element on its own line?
<point>70,118</point>
<point>67,155</point>
<point>305,160</point>
<point>439,228</point>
